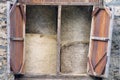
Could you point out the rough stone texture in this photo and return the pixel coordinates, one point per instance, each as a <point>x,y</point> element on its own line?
<point>115,54</point>
<point>117,11</point>
<point>114,71</point>
<point>3,42</point>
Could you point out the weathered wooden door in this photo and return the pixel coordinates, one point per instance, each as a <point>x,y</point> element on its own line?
<point>16,37</point>
<point>100,42</point>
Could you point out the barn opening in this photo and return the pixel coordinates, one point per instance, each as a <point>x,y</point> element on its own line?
<point>41,41</point>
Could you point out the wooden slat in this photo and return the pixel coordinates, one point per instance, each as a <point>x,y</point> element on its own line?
<point>60,2</point>
<point>23,12</point>
<point>57,78</point>
<point>13,7</point>
<point>95,11</point>
<point>52,76</point>
<point>16,46</point>
<point>99,44</point>
<point>58,37</point>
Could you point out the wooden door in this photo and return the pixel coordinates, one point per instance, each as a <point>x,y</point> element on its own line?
<point>100,42</point>
<point>16,37</point>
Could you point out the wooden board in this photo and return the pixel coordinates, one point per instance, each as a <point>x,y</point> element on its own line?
<point>60,2</point>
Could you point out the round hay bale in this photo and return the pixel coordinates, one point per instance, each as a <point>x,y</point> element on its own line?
<point>74,58</point>
<point>41,20</point>
<point>40,54</point>
<point>76,23</point>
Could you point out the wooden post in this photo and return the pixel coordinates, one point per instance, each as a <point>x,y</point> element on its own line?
<point>58,37</point>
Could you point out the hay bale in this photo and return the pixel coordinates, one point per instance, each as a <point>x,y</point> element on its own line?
<point>74,58</point>
<point>76,23</point>
<point>41,51</point>
<point>41,19</point>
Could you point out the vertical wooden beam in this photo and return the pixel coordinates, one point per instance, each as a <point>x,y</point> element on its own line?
<point>24,32</point>
<point>58,37</point>
<point>109,43</point>
<point>90,45</point>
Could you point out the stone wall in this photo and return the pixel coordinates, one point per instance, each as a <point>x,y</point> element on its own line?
<point>114,69</point>
<point>3,41</point>
<point>115,54</point>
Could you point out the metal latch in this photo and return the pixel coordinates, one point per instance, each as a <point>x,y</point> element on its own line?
<point>100,38</point>
<point>16,39</point>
